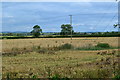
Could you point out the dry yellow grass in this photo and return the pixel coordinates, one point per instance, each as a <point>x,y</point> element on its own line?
<point>67,63</point>
<point>7,45</point>
<point>36,63</point>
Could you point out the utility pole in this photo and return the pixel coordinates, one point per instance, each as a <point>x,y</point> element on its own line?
<point>71,25</point>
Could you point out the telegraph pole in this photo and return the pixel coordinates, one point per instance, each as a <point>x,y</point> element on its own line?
<point>71,25</point>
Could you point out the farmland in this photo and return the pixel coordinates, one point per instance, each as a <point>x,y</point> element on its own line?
<point>51,42</point>
<point>59,39</point>
<point>44,58</point>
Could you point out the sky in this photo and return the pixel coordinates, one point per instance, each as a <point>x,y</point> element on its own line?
<point>87,16</point>
<point>59,0</point>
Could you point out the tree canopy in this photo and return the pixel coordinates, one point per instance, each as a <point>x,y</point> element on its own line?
<point>66,29</point>
<point>36,31</point>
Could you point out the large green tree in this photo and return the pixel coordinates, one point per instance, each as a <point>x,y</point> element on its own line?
<point>66,29</point>
<point>36,31</point>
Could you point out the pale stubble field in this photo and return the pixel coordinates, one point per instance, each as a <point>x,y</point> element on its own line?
<point>65,63</point>
<point>51,42</point>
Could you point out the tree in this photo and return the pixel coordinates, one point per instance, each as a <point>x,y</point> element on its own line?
<point>10,34</point>
<point>66,29</point>
<point>36,31</point>
<point>99,33</point>
<point>116,25</point>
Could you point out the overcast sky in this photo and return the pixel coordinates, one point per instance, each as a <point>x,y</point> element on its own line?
<point>87,16</point>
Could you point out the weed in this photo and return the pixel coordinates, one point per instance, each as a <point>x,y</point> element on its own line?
<point>39,47</point>
<point>103,45</point>
<point>8,76</point>
<point>66,46</point>
<point>34,76</point>
<point>42,51</point>
<point>117,77</point>
<point>56,41</point>
<point>24,48</point>
<point>55,77</point>
<point>48,71</point>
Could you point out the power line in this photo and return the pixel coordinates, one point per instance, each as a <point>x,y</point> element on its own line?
<point>65,16</point>
<point>103,16</point>
<point>110,22</point>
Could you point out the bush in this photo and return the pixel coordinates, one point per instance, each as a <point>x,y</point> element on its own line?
<point>117,77</point>
<point>66,46</point>
<point>103,45</point>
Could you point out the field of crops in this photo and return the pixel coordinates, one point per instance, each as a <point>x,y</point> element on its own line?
<point>44,58</point>
<point>51,42</point>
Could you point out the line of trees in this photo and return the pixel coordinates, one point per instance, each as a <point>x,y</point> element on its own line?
<point>66,30</point>
<point>15,34</point>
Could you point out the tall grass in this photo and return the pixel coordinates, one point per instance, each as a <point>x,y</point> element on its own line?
<point>66,46</point>
<point>52,50</point>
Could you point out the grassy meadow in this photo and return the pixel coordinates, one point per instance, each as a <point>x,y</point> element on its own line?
<point>47,58</point>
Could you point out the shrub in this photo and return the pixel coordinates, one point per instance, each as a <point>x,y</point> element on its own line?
<point>117,77</point>
<point>103,45</point>
<point>38,47</point>
<point>34,76</point>
<point>4,38</point>
<point>66,46</point>
<point>55,77</point>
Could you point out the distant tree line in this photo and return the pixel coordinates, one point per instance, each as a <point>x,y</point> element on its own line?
<point>66,30</point>
<point>15,34</point>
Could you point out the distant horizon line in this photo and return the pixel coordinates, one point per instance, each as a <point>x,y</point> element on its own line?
<point>48,31</point>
